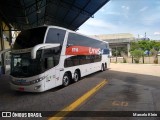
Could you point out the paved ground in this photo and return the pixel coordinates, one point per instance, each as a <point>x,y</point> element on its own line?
<point>145,69</point>
<point>131,87</point>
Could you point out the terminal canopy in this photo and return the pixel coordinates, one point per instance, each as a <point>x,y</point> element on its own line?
<point>71,14</point>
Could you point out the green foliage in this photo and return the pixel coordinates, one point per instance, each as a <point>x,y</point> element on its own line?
<point>118,51</point>
<point>138,48</point>
<point>137,54</point>
<point>134,46</point>
<point>145,45</point>
<point>157,46</point>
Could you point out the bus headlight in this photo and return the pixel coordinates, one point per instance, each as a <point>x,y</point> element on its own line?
<point>37,80</point>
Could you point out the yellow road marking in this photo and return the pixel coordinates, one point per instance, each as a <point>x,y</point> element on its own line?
<point>60,115</point>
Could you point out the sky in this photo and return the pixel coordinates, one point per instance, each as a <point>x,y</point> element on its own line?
<point>126,16</point>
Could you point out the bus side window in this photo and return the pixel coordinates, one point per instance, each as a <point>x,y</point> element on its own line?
<point>48,63</point>
<point>45,63</point>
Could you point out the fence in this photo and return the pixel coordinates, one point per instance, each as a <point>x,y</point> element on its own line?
<point>143,60</point>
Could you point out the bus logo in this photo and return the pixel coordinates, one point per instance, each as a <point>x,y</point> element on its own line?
<point>94,51</point>
<point>82,50</point>
<point>74,49</point>
<point>21,81</point>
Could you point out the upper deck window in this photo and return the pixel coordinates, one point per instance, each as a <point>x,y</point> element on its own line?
<point>55,36</point>
<point>79,40</point>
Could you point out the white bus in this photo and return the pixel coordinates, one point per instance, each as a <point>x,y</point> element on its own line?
<point>49,56</point>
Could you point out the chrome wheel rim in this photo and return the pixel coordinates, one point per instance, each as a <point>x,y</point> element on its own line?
<point>65,80</point>
<point>102,68</point>
<point>75,77</point>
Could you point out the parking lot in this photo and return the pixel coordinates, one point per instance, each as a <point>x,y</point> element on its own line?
<point>129,87</point>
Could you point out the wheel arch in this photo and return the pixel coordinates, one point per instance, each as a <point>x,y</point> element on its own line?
<point>69,73</point>
<point>79,72</point>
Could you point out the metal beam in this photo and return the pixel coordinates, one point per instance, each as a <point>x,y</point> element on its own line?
<point>32,9</point>
<point>37,10</point>
<point>10,36</point>
<point>79,13</point>
<point>74,8</point>
<point>68,10</point>
<point>2,48</point>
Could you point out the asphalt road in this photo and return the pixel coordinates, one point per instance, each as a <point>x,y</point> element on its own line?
<point>125,91</point>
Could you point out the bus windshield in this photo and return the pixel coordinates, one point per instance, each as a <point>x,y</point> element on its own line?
<point>23,66</point>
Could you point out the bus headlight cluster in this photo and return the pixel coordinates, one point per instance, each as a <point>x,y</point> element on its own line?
<point>37,80</point>
<point>21,82</point>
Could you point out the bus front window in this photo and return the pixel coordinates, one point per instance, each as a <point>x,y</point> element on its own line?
<point>23,66</point>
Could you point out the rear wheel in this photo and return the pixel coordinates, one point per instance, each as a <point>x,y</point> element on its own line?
<point>66,79</point>
<point>76,76</point>
<point>105,68</point>
<point>102,68</point>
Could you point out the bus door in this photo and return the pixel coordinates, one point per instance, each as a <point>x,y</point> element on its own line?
<point>57,76</point>
<point>50,73</point>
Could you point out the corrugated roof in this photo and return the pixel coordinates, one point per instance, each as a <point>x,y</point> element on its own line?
<point>24,14</point>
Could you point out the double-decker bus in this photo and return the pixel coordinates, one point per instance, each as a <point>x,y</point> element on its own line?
<point>49,56</point>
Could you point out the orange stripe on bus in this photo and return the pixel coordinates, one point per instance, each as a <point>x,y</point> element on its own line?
<point>81,50</point>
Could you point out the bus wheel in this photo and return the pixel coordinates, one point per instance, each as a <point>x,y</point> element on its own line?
<point>66,80</point>
<point>105,68</point>
<point>102,68</point>
<point>76,76</point>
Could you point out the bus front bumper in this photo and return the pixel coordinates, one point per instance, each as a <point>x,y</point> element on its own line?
<point>30,88</point>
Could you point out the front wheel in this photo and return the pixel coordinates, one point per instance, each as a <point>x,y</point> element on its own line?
<point>66,80</point>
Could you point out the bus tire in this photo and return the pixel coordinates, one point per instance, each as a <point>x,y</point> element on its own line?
<point>76,76</point>
<point>102,68</point>
<point>105,68</point>
<point>66,80</point>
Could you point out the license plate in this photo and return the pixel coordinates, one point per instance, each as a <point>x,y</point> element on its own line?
<point>21,89</point>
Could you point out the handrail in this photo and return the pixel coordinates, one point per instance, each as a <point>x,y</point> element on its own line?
<point>4,51</point>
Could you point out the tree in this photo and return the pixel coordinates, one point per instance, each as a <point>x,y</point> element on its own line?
<point>157,46</point>
<point>134,45</point>
<point>145,45</point>
<point>137,54</point>
<point>117,51</point>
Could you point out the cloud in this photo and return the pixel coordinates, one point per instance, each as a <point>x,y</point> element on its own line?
<point>100,23</point>
<point>143,9</point>
<point>96,26</point>
<point>156,33</point>
<point>152,19</point>
<point>125,7</point>
<point>113,13</point>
